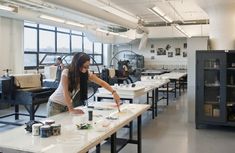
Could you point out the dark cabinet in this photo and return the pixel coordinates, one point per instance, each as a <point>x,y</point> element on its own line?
<point>215,88</point>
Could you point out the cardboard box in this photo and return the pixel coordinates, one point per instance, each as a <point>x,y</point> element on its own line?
<point>208,110</point>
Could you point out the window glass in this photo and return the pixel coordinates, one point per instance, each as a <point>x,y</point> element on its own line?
<point>49,59</point>
<point>88,46</point>
<point>46,41</point>
<point>30,59</point>
<point>30,40</point>
<point>76,43</point>
<point>97,48</point>
<point>98,59</point>
<point>63,45</point>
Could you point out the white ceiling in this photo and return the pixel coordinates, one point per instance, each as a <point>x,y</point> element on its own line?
<point>92,14</point>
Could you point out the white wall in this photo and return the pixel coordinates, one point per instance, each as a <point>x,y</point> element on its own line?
<point>200,43</point>
<point>11,45</point>
<point>160,60</point>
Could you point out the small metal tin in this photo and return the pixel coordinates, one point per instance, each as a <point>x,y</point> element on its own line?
<point>55,129</point>
<point>45,131</point>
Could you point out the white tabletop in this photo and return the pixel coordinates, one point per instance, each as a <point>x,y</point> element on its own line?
<point>173,75</point>
<point>71,139</point>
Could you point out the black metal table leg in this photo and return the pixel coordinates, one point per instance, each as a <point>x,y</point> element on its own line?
<point>31,112</point>
<point>175,88</point>
<point>16,112</point>
<point>167,93</point>
<point>113,143</point>
<point>139,136</point>
<point>153,102</point>
<point>98,148</point>
<point>156,101</point>
<point>131,126</point>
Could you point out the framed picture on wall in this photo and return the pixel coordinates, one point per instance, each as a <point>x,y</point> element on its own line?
<point>152,46</point>
<point>152,51</point>
<point>170,54</point>
<point>184,54</point>
<point>177,51</point>
<point>185,45</point>
<point>161,51</point>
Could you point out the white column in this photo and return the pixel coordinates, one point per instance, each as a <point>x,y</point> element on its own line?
<point>222,23</point>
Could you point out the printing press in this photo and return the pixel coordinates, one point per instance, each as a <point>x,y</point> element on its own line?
<point>26,90</point>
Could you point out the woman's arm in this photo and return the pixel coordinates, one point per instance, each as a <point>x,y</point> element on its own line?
<point>105,85</point>
<point>67,96</point>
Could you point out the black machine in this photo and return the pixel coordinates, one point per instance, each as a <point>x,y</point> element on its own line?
<point>31,98</point>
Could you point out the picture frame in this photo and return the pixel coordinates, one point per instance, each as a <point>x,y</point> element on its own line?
<point>161,51</point>
<point>184,54</point>
<point>152,46</point>
<point>170,54</point>
<point>185,45</point>
<point>177,52</point>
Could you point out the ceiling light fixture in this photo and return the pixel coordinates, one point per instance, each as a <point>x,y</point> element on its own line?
<point>52,18</point>
<point>155,10</point>
<point>74,24</point>
<point>181,30</point>
<point>6,8</point>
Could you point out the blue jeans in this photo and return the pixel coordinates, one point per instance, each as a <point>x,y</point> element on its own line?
<point>55,108</point>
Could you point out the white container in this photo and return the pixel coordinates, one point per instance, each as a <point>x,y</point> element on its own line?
<point>36,129</point>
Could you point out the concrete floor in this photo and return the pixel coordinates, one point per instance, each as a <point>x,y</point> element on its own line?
<point>171,133</point>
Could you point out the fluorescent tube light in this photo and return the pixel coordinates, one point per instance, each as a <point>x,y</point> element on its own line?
<point>121,35</point>
<point>155,10</point>
<point>181,30</point>
<point>158,11</point>
<point>6,8</point>
<point>75,24</point>
<point>52,18</point>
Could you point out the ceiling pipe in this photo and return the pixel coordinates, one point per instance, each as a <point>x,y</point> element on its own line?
<point>91,10</point>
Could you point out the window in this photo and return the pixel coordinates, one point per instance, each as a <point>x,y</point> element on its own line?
<point>44,43</point>
<point>30,40</point>
<point>76,43</point>
<point>88,46</point>
<point>97,48</point>
<point>30,60</point>
<point>63,45</point>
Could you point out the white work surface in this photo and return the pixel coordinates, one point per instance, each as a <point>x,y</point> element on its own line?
<point>172,75</point>
<point>147,85</point>
<point>71,139</point>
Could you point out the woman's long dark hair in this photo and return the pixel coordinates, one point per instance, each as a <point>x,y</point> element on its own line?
<point>75,76</point>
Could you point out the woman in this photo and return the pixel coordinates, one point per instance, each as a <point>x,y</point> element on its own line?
<point>74,80</point>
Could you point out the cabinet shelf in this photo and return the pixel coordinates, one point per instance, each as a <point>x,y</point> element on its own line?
<point>229,104</point>
<point>231,68</point>
<point>212,102</point>
<point>209,68</point>
<point>230,86</point>
<point>212,85</point>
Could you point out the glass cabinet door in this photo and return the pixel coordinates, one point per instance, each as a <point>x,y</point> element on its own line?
<point>212,94</point>
<point>211,72</point>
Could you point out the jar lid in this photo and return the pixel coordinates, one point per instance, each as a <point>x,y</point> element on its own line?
<point>55,125</point>
<point>45,127</point>
<point>49,121</point>
<point>37,124</point>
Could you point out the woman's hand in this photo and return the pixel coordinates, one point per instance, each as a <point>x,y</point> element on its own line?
<point>117,100</point>
<point>76,111</point>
